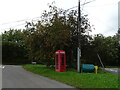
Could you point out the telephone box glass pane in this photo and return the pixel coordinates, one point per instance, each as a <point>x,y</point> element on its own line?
<point>56,61</point>
<point>62,59</point>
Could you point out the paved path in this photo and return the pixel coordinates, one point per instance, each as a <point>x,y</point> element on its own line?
<point>113,70</point>
<point>16,77</point>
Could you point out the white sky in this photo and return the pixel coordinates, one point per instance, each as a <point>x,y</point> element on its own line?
<point>103,14</point>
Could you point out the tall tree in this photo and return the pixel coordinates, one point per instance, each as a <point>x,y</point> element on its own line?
<point>107,48</point>
<point>56,30</point>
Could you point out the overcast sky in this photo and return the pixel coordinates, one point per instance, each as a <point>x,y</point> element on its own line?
<point>103,14</point>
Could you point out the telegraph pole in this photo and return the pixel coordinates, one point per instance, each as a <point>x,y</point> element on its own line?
<point>79,38</point>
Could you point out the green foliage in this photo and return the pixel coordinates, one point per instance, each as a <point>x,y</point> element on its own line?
<point>56,31</point>
<point>106,47</point>
<point>13,47</point>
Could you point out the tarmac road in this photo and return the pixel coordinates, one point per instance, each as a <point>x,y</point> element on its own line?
<point>113,70</point>
<point>16,77</point>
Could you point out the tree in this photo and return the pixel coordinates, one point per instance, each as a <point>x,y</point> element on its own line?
<point>56,30</point>
<point>13,47</point>
<point>107,48</point>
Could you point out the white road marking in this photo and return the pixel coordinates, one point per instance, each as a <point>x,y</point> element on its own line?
<point>2,66</point>
<point>112,70</point>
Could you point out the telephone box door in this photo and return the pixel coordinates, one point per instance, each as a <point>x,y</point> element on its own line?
<point>62,65</point>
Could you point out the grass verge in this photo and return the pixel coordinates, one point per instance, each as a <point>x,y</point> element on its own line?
<point>112,66</point>
<point>78,80</point>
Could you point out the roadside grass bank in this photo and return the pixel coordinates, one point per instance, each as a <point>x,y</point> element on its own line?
<point>112,66</point>
<point>78,80</point>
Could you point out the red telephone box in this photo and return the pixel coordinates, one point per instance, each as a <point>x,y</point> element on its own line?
<point>60,61</point>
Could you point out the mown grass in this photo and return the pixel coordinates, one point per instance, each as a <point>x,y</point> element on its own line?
<point>78,80</point>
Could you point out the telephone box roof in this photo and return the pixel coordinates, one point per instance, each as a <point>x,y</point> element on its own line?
<point>60,51</point>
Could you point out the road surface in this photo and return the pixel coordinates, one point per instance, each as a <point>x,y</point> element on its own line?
<point>16,77</point>
<point>113,70</point>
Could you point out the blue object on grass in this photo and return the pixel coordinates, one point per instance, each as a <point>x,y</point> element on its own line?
<point>87,68</point>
